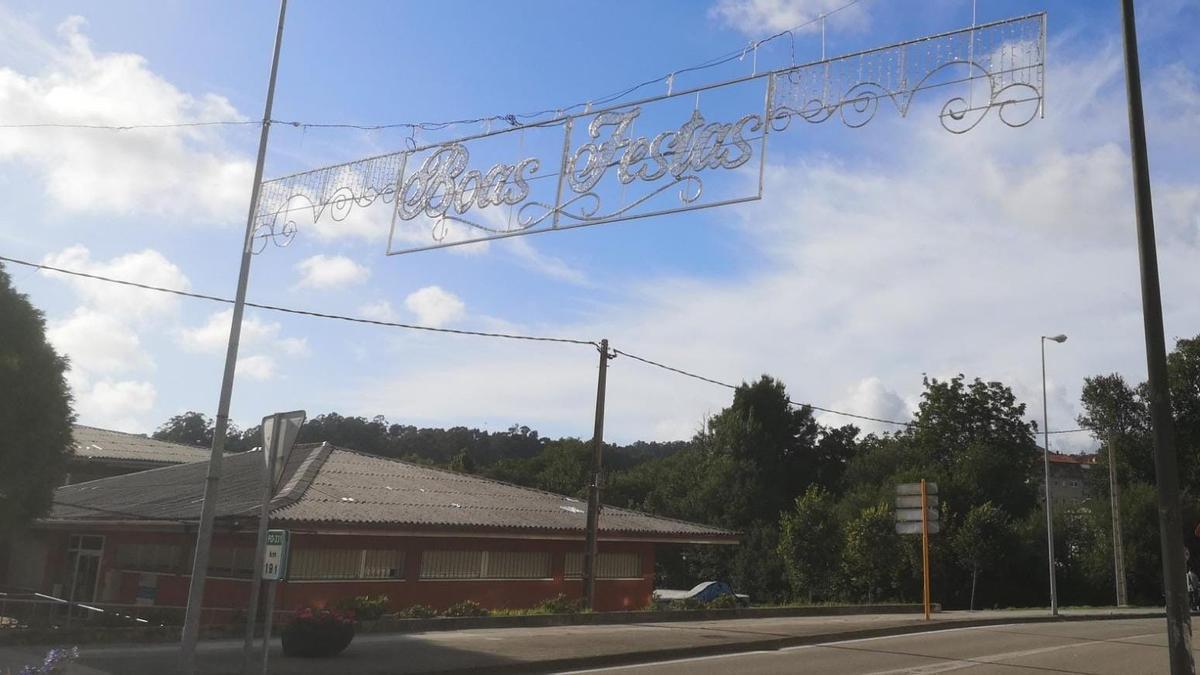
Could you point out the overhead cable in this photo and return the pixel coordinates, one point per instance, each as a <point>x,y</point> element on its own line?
<point>514,120</point>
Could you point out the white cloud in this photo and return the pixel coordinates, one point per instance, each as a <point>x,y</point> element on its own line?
<point>329,272</point>
<point>922,252</point>
<point>434,306</point>
<point>213,336</point>
<point>117,405</point>
<point>98,343</point>
<point>379,311</point>
<point>760,18</point>
<point>258,367</point>
<point>146,267</point>
<point>548,265</point>
<point>179,172</point>
<point>870,397</point>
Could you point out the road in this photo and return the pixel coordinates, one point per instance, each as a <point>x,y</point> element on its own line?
<point>547,649</point>
<point>1119,647</point>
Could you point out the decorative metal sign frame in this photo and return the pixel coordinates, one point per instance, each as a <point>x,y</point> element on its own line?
<point>440,198</point>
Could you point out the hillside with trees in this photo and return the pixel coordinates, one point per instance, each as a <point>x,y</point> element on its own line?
<point>814,503</point>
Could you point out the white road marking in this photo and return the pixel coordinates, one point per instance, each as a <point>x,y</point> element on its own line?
<point>956,664</point>
<point>959,664</point>
<point>776,651</point>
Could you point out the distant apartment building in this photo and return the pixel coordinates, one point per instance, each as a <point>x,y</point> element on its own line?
<point>1068,478</point>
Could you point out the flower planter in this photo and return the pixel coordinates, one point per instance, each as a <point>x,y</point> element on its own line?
<point>322,633</point>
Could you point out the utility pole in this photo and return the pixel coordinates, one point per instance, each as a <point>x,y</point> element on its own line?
<point>195,601</point>
<point>593,505</point>
<point>1166,468</point>
<point>1046,459</point>
<point>1114,494</point>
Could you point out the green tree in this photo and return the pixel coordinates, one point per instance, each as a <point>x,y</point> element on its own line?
<point>982,541</point>
<point>872,554</point>
<point>463,463</point>
<point>35,411</point>
<point>809,540</point>
<point>189,428</point>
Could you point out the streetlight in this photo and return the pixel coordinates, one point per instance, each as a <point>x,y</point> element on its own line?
<point>1046,455</point>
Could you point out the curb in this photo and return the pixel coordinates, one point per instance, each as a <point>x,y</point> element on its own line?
<point>84,634</point>
<point>771,644</point>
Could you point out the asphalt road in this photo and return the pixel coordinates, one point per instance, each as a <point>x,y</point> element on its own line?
<point>543,649</point>
<point>1119,647</point>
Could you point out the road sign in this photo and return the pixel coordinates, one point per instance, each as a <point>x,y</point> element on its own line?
<point>914,501</point>
<point>914,527</point>
<point>914,515</point>
<point>915,489</point>
<point>275,561</point>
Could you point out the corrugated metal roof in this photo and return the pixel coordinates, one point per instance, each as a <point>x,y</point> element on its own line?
<point>334,486</point>
<point>93,443</point>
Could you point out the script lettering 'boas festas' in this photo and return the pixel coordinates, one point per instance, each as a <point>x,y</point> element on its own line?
<point>600,169</point>
<point>692,147</point>
<point>443,184</point>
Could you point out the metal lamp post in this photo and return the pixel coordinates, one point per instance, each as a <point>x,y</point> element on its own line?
<point>1046,457</point>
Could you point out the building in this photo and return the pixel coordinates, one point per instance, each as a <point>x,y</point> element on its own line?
<point>1068,478</point>
<point>360,525</point>
<point>100,453</point>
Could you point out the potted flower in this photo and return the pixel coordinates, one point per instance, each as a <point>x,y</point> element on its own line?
<point>318,632</point>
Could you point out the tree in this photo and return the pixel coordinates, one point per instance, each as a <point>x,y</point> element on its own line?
<point>193,428</point>
<point>190,428</point>
<point>871,559</point>
<point>463,463</point>
<point>808,543</point>
<point>982,541</point>
<point>35,411</point>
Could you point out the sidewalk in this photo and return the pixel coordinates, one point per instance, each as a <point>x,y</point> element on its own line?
<point>549,649</point>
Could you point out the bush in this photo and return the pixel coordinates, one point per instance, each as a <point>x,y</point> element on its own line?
<point>465,608</point>
<point>318,632</point>
<point>365,607</point>
<point>685,604</point>
<point>725,601</point>
<point>417,612</point>
<point>559,604</point>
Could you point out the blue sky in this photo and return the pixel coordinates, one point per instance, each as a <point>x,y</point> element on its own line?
<point>876,256</point>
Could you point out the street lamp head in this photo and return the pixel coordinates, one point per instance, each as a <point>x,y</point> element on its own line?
<point>1057,338</point>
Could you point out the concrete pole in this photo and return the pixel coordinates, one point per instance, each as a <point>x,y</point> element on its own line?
<point>1049,503</point>
<point>593,505</point>
<point>195,601</point>
<point>1166,468</point>
<point>1114,493</point>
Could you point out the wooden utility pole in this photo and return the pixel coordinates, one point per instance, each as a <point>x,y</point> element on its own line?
<point>593,505</point>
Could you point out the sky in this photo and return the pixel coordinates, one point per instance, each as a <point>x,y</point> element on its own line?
<point>877,256</point>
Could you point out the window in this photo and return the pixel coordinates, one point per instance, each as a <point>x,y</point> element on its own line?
<point>383,564</point>
<point>237,563</point>
<point>485,565</point>
<point>85,542</point>
<point>451,564</point>
<point>150,557</point>
<point>608,566</point>
<point>316,564</point>
<point>516,565</point>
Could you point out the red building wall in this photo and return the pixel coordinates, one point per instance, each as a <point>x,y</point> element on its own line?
<point>170,590</point>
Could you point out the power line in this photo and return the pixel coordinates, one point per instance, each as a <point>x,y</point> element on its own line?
<point>831,411</point>
<point>128,127</point>
<point>511,119</point>
<point>301,312</point>
<point>453,331</point>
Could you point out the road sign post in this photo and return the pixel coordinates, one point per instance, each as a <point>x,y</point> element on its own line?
<point>916,513</point>
<point>274,568</point>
